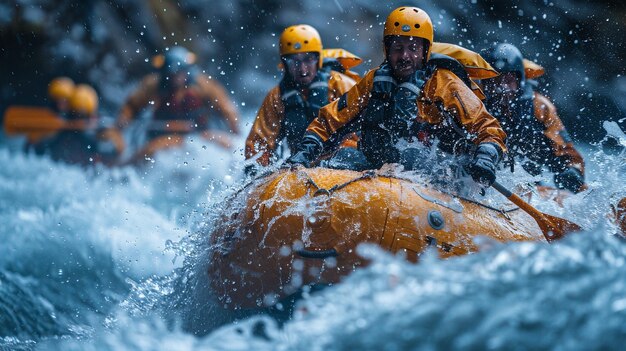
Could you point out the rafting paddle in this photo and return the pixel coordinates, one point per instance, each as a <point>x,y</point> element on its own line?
<point>33,120</point>
<point>38,122</point>
<point>553,228</point>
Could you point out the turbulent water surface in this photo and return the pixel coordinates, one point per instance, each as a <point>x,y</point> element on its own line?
<point>116,259</point>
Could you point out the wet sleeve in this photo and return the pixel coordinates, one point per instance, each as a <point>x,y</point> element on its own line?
<point>139,99</point>
<point>263,137</point>
<point>217,99</point>
<point>446,95</point>
<point>343,110</point>
<point>562,145</point>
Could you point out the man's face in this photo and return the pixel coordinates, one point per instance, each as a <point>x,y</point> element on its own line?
<point>302,67</point>
<point>62,104</point>
<point>503,88</point>
<point>405,55</point>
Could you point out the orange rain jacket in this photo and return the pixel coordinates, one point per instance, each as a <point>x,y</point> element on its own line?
<point>554,130</point>
<point>443,88</point>
<point>207,91</point>
<point>266,128</point>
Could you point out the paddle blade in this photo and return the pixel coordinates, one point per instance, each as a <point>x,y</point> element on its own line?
<point>36,120</point>
<point>554,228</point>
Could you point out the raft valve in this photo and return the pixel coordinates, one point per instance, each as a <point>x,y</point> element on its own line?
<point>435,219</point>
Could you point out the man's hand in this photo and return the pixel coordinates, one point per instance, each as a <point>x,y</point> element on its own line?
<point>482,168</point>
<point>571,179</point>
<point>309,149</point>
<point>250,170</point>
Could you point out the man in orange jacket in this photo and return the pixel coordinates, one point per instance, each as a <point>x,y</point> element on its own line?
<point>179,92</point>
<point>305,87</point>
<point>534,129</point>
<point>408,99</point>
<point>60,90</point>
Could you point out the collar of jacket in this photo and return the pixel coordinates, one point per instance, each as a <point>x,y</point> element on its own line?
<point>385,83</point>
<point>290,93</point>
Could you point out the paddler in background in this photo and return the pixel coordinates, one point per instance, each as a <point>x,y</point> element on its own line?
<point>182,100</point>
<point>60,90</point>
<point>84,141</point>
<point>310,81</point>
<point>410,98</point>
<point>535,131</point>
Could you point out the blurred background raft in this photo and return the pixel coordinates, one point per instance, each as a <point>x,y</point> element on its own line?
<point>181,100</point>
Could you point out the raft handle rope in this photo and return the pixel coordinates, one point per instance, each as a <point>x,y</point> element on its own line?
<point>372,174</point>
<point>438,202</point>
<point>505,214</point>
<point>317,254</point>
<point>318,190</point>
<point>499,210</point>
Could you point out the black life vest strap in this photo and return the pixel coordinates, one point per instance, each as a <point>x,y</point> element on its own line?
<point>300,112</point>
<point>449,63</point>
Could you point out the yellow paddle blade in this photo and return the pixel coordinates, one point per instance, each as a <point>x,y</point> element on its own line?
<point>553,228</point>
<point>25,119</point>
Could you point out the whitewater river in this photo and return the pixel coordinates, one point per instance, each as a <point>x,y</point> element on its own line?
<point>116,260</point>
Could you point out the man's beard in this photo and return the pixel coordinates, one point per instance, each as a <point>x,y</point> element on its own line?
<point>296,80</point>
<point>401,66</point>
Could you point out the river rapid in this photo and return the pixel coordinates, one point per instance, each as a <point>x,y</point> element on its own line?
<point>115,259</point>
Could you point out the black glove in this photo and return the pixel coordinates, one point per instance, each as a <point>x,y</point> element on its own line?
<point>250,170</point>
<point>309,149</point>
<point>482,168</point>
<point>571,179</point>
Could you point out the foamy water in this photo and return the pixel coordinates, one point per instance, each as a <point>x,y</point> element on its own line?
<point>116,260</point>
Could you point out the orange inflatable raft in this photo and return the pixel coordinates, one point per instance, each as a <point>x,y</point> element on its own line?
<point>301,227</point>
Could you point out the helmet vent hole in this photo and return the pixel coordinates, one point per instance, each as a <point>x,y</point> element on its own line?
<point>417,26</point>
<point>415,10</point>
<point>306,41</point>
<point>291,30</point>
<point>288,43</point>
<point>402,9</point>
<point>396,24</point>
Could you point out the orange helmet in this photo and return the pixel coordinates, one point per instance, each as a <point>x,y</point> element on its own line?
<point>61,88</point>
<point>410,22</point>
<point>84,100</point>
<point>300,38</point>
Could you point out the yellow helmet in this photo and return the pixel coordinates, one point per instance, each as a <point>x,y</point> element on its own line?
<point>61,88</point>
<point>300,38</point>
<point>410,22</point>
<point>84,100</point>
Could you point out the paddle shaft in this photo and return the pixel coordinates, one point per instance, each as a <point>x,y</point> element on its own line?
<point>27,119</point>
<point>514,198</point>
<point>553,228</point>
